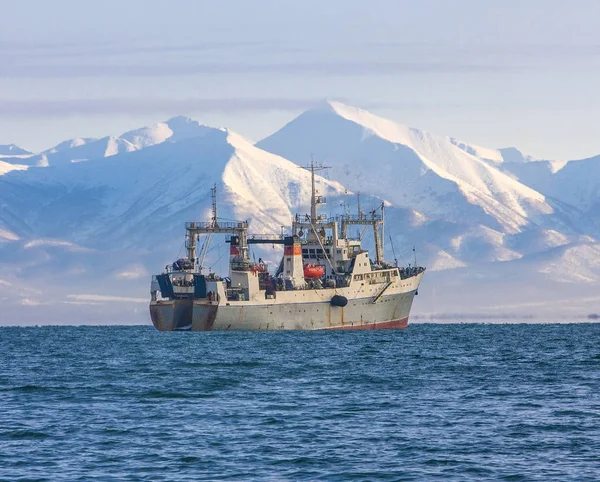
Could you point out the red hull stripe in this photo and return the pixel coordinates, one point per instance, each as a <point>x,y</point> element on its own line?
<point>383,325</point>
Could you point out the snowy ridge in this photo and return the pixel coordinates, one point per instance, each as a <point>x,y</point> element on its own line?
<point>70,143</point>
<point>78,150</point>
<point>87,148</point>
<point>164,183</point>
<point>577,183</point>
<point>418,169</point>
<point>442,156</point>
<point>174,130</point>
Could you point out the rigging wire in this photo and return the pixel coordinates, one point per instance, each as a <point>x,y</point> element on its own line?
<point>215,263</point>
<point>180,249</point>
<point>393,250</point>
<point>216,246</point>
<point>323,248</point>
<point>401,253</point>
<point>205,249</point>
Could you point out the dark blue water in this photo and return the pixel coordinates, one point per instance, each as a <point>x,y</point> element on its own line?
<point>512,402</point>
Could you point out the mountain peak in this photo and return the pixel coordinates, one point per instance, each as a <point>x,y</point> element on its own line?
<point>408,167</point>
<point>330,111</point>
<point>183,127</point>
<point>71,143</point>
<point>180,119</point>
<point>347,111</point>
<point>512,154</point>
<point>175,129</point>
<point>13,150</point>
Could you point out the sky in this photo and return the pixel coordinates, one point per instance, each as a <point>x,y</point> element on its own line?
<point>504,73</point>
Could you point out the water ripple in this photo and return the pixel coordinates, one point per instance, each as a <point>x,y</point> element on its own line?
<point>447,402</point>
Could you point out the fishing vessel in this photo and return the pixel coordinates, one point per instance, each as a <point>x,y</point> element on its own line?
<point>325,279</point>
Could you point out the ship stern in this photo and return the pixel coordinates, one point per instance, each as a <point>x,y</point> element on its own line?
<point>171,315</point>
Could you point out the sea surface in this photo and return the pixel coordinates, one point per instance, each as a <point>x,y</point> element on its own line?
<point>446,402</point>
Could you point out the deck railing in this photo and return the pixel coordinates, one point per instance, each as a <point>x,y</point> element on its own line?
<point>219,225</point>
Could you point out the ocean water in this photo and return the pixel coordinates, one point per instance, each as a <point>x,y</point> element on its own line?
<point>448,402</point>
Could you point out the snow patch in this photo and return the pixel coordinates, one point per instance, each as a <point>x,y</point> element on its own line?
<point>6,167</point>
<point>444,261</point>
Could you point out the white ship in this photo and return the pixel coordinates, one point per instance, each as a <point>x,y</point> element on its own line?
<point>325,280</point>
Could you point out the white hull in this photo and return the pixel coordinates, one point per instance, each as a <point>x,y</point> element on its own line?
<point>295,310</point>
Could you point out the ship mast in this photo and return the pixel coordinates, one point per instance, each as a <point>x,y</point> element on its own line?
<point>191,235</point>
<point>377,236</point>
<point>314,199</point>
<point>213,193</point>
<point>237,228</point>
<point>215,224</point>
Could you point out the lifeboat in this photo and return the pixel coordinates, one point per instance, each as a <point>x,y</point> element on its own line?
<point>313,271</point>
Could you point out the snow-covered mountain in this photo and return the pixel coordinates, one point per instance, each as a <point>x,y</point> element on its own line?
<point>81,238</point>
<point>13,150</point>
<point>411,168</point>
<point>126,199</point>
<point>477,212</point>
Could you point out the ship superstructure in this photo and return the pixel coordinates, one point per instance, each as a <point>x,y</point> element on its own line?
<point>325,279</point>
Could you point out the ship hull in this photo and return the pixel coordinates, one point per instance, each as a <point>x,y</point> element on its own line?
<point>388,312</point>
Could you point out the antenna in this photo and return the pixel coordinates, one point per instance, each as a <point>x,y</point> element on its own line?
<point>214,206</point>
<point>345,206</point>
<point>382,227</point>
<point>314,199</point>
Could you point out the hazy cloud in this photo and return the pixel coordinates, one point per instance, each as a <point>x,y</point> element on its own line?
<point>118,59</point>
<point>340,68</point>
<point>42,51</point>
<point>115,59</point>
<point>15,109</point>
